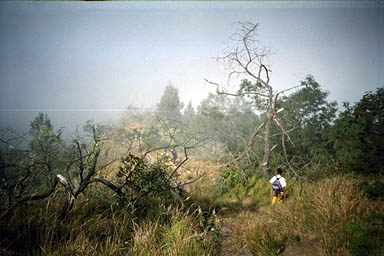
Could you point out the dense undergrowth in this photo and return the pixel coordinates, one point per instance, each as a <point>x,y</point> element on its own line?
<point>341,215</point>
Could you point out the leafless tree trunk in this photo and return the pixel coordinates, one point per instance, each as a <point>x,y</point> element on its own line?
<point>246,61</point>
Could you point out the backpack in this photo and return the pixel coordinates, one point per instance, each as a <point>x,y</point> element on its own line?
<point>276,186</point>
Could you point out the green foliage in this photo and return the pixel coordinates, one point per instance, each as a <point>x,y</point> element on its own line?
<point>308,107</point>
<point>31,170</point>
<point>374,190</point>
<point>360,241</point>
<point>98,228</point>
<point>240,184</point>
<point>252,92</point>
<point>228,180</point>
<point>181,234</point>
<point>310,115</point>
<point>182,237</point>
<point>189,113</point>
<point>208,224</point>
<point>42,134</point>
<point>170,105</point>
<point>139,178</point>
<point>358,135</point>
<point>45,149</point>
<point>307,115</point>
<point>227,122</point>
<point>364,238</point>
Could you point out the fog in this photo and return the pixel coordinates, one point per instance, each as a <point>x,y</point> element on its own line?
<point>79,61</point>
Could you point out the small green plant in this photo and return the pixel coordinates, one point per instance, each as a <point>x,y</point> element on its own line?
<point>208,223</point>
<point>228,180</point>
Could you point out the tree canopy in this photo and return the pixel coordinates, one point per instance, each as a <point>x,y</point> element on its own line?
<point>358,135</point>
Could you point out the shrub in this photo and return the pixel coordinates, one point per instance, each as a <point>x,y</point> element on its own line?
<point>229,179</point>
<point>138,179</point>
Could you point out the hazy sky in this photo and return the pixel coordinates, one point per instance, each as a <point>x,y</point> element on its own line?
<point>107,55</point>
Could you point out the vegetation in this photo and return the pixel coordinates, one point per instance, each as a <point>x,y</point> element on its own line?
<point>181,181</point>
<point>358,135</point>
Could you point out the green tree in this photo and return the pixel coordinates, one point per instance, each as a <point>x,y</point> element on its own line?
<point>189,113</point>
<point>45,148</point>
<point>309,115</point>
<point>228,122</point>
<point>26,172</point>
<point>170,106</point>
<point>358,135</point>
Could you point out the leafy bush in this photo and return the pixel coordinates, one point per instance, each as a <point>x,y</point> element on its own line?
<point>229,179</point>
<point>138,178</point>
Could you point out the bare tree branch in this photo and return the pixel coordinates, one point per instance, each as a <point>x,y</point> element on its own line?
<point>190,181</point>
<point>283,130</point>
<point>179,165</point>
<point>59,178</point>
<point>108,184</point>
<point>41,196</point>
<point>249,145</point>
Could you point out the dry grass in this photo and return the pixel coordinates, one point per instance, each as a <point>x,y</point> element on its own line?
<point>319,211</point>
<point>330,214</point>
<point>96,228</point>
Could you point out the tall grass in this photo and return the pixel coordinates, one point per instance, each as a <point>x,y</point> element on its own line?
<point>334,213</point>
<point>182,235</point>
<point>97,226</point>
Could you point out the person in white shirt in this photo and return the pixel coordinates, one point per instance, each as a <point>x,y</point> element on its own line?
<point>278,186</point>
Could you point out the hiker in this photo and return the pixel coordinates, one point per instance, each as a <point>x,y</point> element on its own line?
<point>278,187</point>
<point>174,155</point>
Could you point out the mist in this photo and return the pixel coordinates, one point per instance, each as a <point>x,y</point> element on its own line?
<point>145,128</point>
<point>80,61</point>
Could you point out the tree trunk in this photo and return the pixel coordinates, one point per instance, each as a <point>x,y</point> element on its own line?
<point>264,163</point>
<point>267,136</point>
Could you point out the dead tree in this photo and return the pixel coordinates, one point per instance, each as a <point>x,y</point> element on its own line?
<point>82,169</point>
<point>247,64</point>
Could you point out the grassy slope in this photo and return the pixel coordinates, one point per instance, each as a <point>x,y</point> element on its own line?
<point>332,216</point>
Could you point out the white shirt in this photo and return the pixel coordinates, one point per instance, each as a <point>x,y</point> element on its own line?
<point>281,179</point>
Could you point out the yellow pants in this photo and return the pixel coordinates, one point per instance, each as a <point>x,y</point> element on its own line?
<point>277,198</point>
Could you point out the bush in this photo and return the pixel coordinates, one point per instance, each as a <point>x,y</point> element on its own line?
<point>138,178</point>
<point>229,178</point>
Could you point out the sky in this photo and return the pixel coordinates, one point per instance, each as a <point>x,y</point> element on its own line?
<point>90,60</point>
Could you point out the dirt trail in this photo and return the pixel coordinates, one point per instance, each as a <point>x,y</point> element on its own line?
<point>228,246</point>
